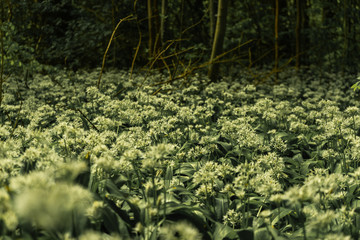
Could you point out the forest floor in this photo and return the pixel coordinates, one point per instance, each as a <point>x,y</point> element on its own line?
<point>227,160</point>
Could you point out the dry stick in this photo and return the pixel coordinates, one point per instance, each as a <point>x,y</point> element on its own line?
<point>275,71</point>
<point>137,49</point>
<point>159,55</point>
<point>107,49</point>
<point>167,67</point>
<point>153,62</point>
<point>17,118</point>
<point>188,72</point>
<point>87,119</point>
<point>177,53</point>
<point>113,25</point>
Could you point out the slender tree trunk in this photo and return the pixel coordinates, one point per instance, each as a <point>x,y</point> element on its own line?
<point>162,21</point>
<point>276,67</point>
<point>346,33</point>
<point>298,32</point>
<point>113,24</point>
<point>2,51</point>
<point>217,46</point>
<point>150,28</point>
<point>212,21</point>
<point>304,38</point>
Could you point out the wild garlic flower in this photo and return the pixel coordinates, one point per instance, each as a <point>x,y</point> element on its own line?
<point>32,154</point>
<point>131,155</point>
<point>270,115</point>
<point>262,105</point>
<point>34,180</point>
<point>208,173</point>
<point>321,221</point>
<point>4,132</point>
<point>330,111</point>
<point>108,166</point>
<point>7,214</point>
<point>10,148</point>
<point>9,168</point>
<point>232,218</point>
<point>345,216</point>
<point>182,230</point>
<point>205,190</point>
<point>328,188</point>
<point>356,174</point>
<point>280,90</point>
<point>250,88</point>
<point>241,132</point>
<point>52,208</point>
<point>92,235</point>
<point>297,196</point>
<point>329,154</point>
<point>299,111</point>
<point>278,144</point>
<point>244,172</point>
<point>156,155</point>
<point>272,163</point>
<point>336,236</point>
<point>94,213</point>
<point>265,185</point>
<point>352,110</point>
<point>102,123</point>
<point>298,127</point>
<point>43,117</point>
<point>68,171</point>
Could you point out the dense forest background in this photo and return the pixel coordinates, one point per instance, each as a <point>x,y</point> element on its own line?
<point>178,36</point>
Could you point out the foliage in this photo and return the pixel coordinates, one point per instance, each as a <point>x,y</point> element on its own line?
<point>75,34</point>
<point>17,57</point>
<point>356,85</point>
<point>207,161</point>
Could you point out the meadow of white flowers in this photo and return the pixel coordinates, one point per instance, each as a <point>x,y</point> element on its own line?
<point>197,160</point>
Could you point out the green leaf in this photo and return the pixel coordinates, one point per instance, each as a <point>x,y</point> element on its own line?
<point>356,86</point>
<point>168,176</point>
<point>221,207</point>
<point>283,212</point>
<point>113,223</point>
<point>262,234</point>
<point>223,231</point>
<point>194,215</point>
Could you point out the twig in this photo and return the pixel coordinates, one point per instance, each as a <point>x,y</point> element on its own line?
<point>87,119</point>
<point>108,47</point>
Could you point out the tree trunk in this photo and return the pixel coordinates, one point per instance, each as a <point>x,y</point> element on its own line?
<point>153,27</point>
<point>212,21</point>
<point>276,67</point>
<point>217,46</point>
<point>298,32</point>
<point>346,36</point>
<point>162,21</point>
<point>2,50</point>
<point>150,30</point>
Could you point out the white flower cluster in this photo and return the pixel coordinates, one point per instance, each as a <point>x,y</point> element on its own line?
<point>281,159</point>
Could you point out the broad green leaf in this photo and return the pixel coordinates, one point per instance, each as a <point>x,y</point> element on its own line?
<point>283,212</point>
<point>262,234</point>
<point>223,231</point>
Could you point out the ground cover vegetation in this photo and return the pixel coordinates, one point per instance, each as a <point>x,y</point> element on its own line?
<point>157,119</point>
<point>205,161</point>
